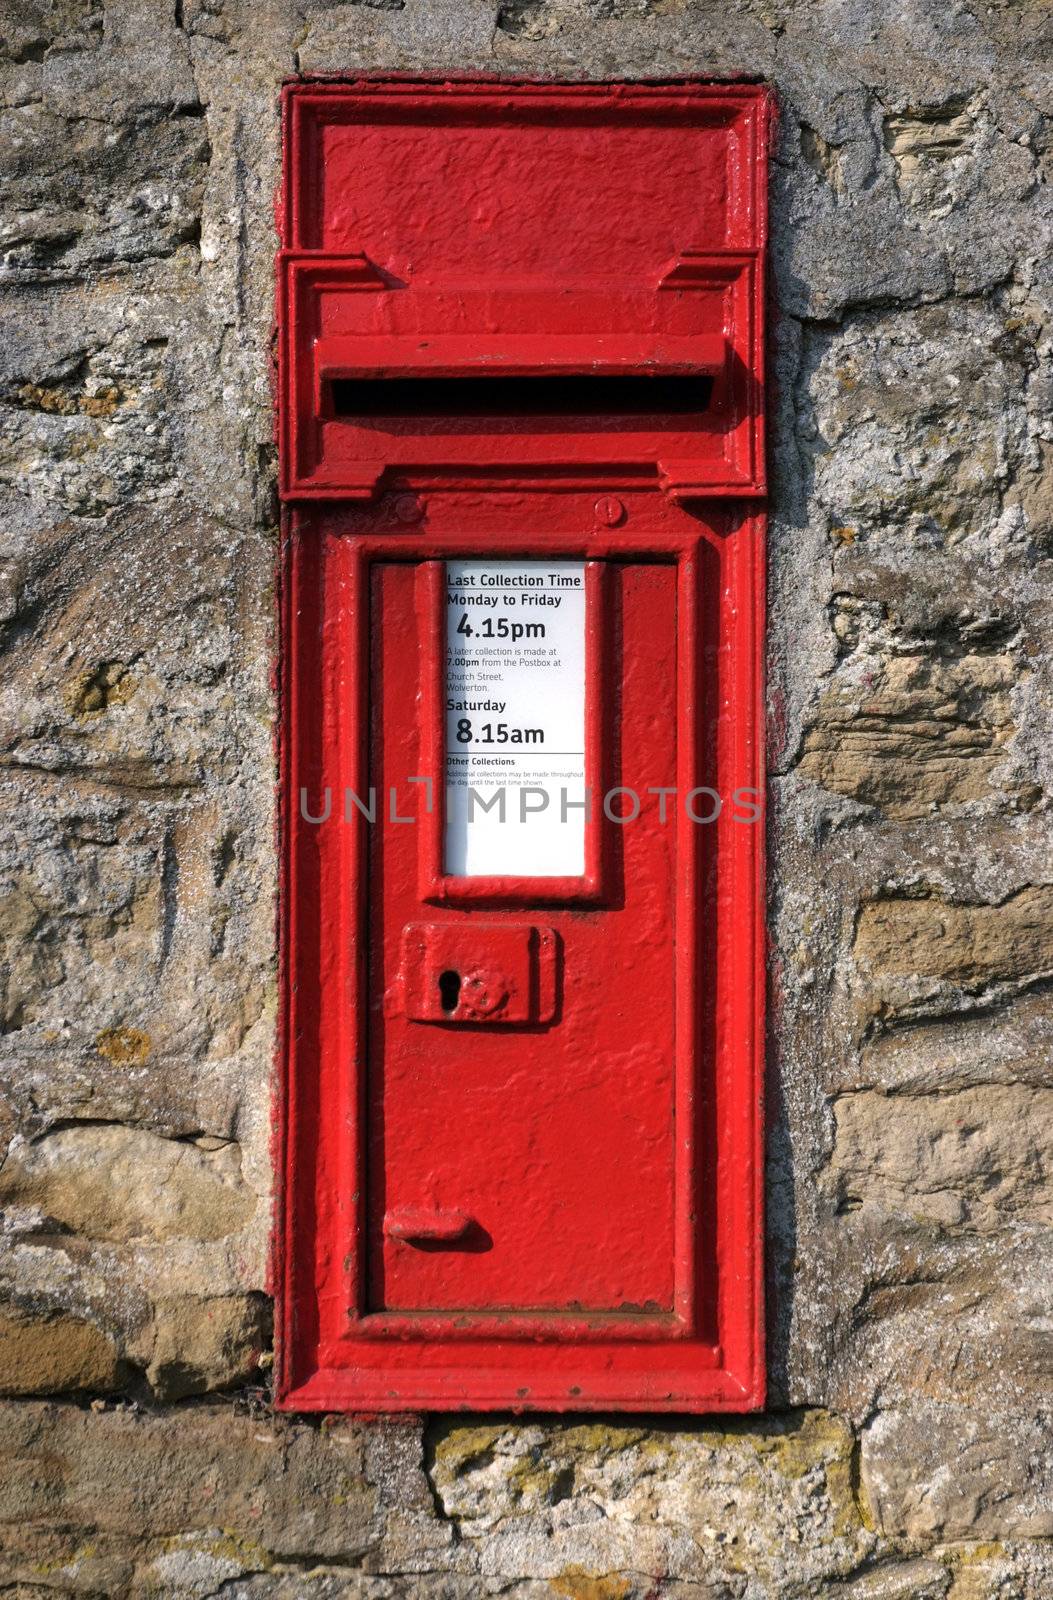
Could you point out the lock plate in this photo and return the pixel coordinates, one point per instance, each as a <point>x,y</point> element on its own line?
<point>479,972</point>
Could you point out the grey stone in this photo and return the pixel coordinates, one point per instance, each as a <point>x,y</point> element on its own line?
<point>957,1473</point>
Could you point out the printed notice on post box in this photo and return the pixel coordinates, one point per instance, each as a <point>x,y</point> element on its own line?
<point>515,719</point>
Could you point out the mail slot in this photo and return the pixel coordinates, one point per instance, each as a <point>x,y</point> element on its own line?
<point>522,467</point>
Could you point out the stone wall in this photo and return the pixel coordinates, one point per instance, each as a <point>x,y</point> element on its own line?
<point>907,1450</point>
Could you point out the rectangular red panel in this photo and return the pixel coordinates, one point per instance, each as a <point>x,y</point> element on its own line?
<point>556,1139</point>
<point>520,1131</point>
<point>523,229</point>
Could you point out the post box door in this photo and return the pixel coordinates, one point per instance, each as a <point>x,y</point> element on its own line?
<point>521,1057</point>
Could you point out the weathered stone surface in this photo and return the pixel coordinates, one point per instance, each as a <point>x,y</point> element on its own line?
<point>973,1159</point>
<point>899,1580</point>
<point>201,1496</point>
<point>1000,1567</point>
<point>914,421</point>
<point>55,1354</point>
<point>929,1309</point>
<point>910,733</point>
<point>122,1183</point>
<point>203,1499</point>
<point>197,1345</point>
<point>964,943</point>
<point>911,700</point>
<point>749,1497</point>
<point>290,1489</point>
<point>950,1472</point>
<point>1011,1045</point>
<point>334,1585</point>
<point>926,953</point>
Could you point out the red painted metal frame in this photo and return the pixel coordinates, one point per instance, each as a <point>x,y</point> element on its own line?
<point>333,1351</point>
<point>332,1359</point>
<point>343,311</point>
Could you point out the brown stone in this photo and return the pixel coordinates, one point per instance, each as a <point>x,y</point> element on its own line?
<point>955,1472</point>
<point>968,944</point>
<point>911,734</point>
<point>897,1580</point>
<point>971,1159</point>
<point>919,144</point>
<point>100,687</point>
<point>122,1183</point>
<point>574,1583</point>
<point>1033,492</point>
<point>53,1354</point>
<point>125,1047</point>
<point>198,1345</point>
<point>280,1488</point>
<point>1010,1045</point>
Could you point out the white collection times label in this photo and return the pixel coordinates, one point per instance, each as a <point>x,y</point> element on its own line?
<point>515,719</point>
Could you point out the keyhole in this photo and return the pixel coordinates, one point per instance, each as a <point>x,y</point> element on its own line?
<point>449,990</point>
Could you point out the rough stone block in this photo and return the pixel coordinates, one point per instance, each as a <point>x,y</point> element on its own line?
<point>972,1159</point>
<point>695,1506</point>
<point>951,1472</point>
<point>200,1345</point>
<point>122,1184</point>
<point>55,1354</point>
<point>968,944</point>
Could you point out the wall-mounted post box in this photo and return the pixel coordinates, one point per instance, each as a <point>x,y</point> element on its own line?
<point>521,414</point>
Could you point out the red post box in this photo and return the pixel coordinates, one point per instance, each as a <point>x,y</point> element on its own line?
<point>521,438</point>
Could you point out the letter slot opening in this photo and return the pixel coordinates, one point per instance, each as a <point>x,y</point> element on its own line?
<point>634,401</point>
